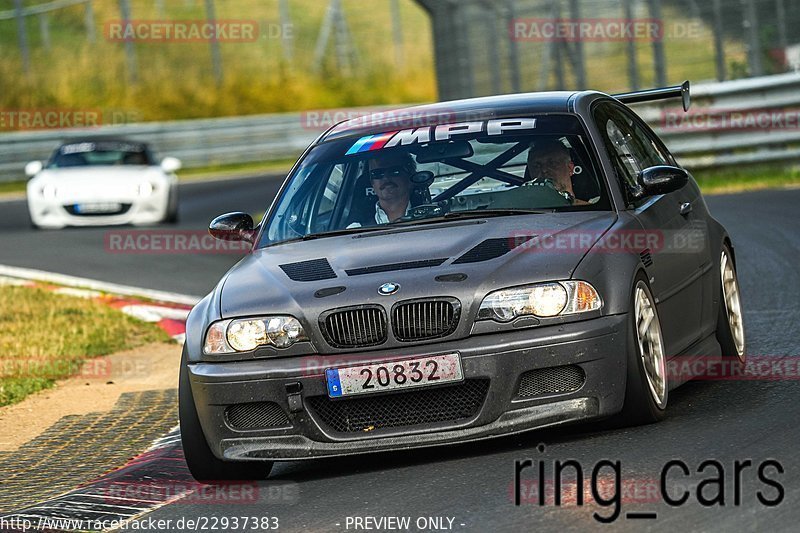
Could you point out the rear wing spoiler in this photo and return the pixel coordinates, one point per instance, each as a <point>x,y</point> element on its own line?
<point>662,93</point>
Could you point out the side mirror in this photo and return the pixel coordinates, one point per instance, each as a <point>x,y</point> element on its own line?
<point>170,164</point>
<point>661,179</point>
<point>33,168</point>
<point>233,227</point>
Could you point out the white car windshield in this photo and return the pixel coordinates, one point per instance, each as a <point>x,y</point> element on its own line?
<point>100,153</point>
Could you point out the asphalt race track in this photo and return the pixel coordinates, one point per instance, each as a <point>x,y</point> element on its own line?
<point>724,421</point>
<point>88,252</point>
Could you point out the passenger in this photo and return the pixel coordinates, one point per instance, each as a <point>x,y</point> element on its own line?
<point>550,162</point>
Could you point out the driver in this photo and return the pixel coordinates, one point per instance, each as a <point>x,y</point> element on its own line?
<point>390,177</point>
<point>549,162</point>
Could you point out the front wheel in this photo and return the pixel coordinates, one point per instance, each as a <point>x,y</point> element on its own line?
<point>647,384</point>
<point>730,323</point>
<point>204,466</point>
<point>171,216</point>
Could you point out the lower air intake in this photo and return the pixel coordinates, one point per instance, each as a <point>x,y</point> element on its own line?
<point>554,380</point>
<point>424,406</point>
<point>257,415</point>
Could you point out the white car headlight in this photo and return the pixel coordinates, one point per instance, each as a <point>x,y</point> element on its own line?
<point>247,334</point>
<point>542,300</point>
<point>145,189</point>
<point>49,191</point>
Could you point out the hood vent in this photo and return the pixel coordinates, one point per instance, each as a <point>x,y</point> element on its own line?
<point>427,263</point>
<point>313,270</point>
<point>646,258</point>
<point>492,249</point>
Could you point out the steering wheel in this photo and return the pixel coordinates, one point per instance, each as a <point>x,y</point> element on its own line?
<point>426,211</point>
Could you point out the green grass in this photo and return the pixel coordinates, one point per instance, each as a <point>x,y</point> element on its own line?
<point>215,171</point>
<point>175,80</point>
<point>746,179</point>
<point>45,336</point>
<point>12,187</point>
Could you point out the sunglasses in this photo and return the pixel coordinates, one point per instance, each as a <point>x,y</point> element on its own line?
<point>388,172</point>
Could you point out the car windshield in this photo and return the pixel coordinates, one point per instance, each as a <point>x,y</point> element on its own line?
<point>497,167</point>
<point>102,153</point>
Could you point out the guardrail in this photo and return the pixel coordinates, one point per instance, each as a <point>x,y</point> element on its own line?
<point>730,123</point>
<point>754,120</point>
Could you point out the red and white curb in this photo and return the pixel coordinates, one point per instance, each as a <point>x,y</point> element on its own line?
<point>165,309</point>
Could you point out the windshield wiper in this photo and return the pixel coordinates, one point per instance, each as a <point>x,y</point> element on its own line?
<point>467,214</point>
<point>495,212</point>
<point>470,213</point>
<point>336,233</point>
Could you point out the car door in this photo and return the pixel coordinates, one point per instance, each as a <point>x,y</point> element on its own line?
<point>672,264</point>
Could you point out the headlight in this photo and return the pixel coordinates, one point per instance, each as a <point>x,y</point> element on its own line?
<point>542,300</point>
<point>246,334</point>
<point>49,191</point>
<point>146,189</point>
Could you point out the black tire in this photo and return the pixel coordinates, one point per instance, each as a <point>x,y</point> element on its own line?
<point>204,466</point>
<point>172,209</point>
<point>725,336</point>
<point>34,225</point>
<point>640,407</point>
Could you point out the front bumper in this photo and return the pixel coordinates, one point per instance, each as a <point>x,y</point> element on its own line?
<point>54,214</point>
<point>597,347</point>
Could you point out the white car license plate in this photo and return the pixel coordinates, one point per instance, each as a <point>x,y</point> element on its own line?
<point>392,375</point>
<point>105,207</point>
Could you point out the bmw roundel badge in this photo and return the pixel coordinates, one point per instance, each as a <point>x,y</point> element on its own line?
<point>387,289</point>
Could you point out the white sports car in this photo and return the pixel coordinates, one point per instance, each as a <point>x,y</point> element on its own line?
<point>98,182</point>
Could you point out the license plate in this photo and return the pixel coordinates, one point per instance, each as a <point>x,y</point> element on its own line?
<point>393,375</point>
<point>107,207</point>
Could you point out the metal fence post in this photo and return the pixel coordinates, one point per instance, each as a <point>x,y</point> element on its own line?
<point>719,46</point>
<point>750,24</point>
<point>323,38</point>
<point>44,30</point>
<point>22,36</point>
<point>780,17</point>
<point>633,64</point>
<point>88,20</point>
<point>578,64</point>
<point>130,51</point>
<point>286,22</point>
<point>659,62</point>
<point>397,35</point>
<point>513,47</point>
<point>216,56</point>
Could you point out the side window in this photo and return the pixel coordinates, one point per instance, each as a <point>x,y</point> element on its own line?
<point>631,147</point>
<point>331,191</point>
<point>322,213</point>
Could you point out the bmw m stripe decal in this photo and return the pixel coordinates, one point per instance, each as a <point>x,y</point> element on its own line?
<point>442,132</point>
<point>371,142</point>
